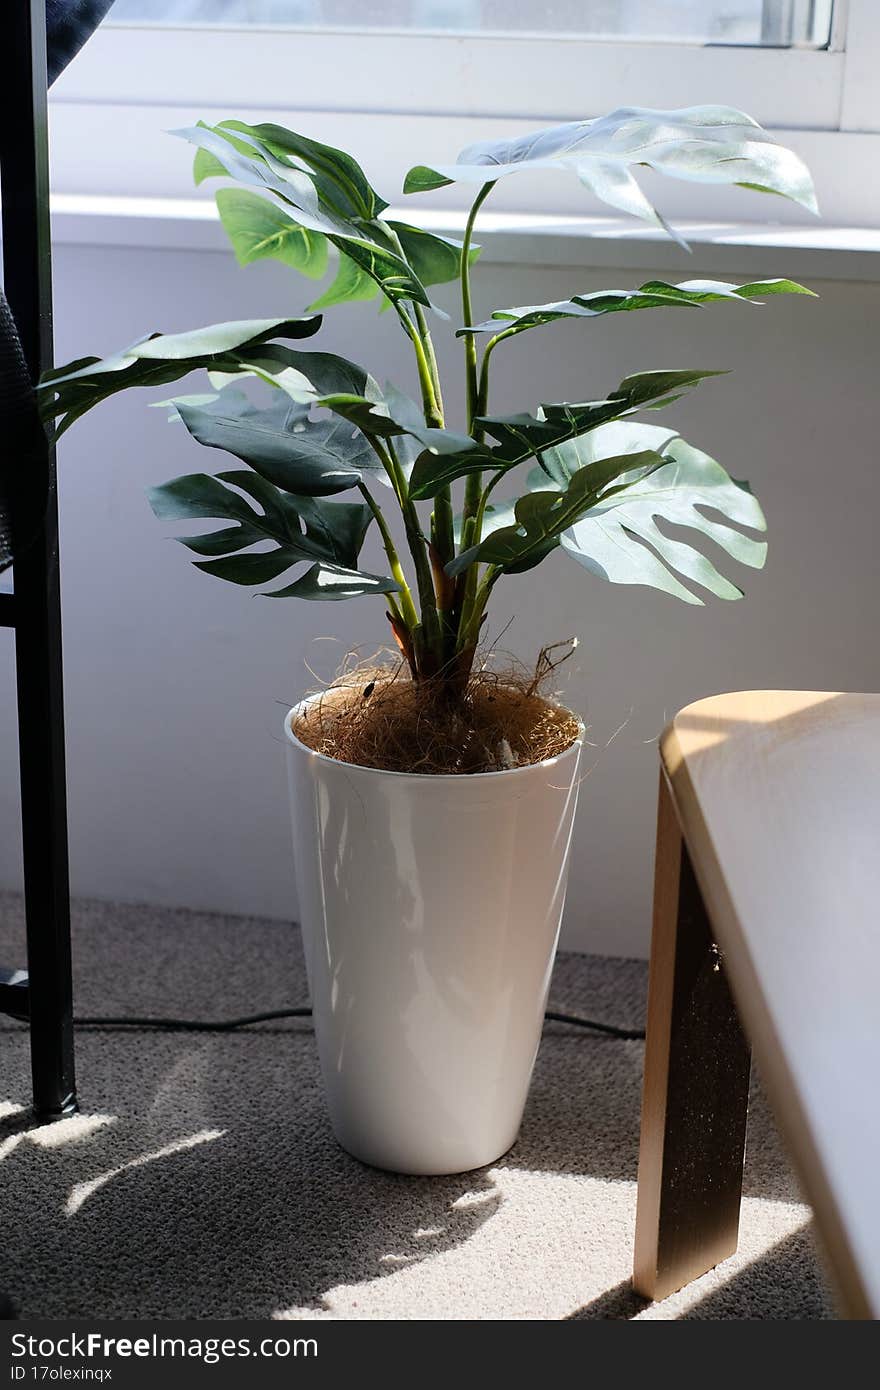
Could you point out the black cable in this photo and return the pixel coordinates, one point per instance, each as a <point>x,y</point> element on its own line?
<point>192,1025</point>
<point>228,1025</point>
<point>625,1034</point>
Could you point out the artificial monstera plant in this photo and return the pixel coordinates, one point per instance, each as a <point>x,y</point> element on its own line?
<point>588,476</point>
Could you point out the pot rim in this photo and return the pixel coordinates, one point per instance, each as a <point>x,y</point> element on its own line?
<point>547,763</point>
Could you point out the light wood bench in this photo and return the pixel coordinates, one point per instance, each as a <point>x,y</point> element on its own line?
<point>767,928</point>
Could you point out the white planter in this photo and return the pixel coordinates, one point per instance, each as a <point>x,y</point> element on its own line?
<point>430,910</point>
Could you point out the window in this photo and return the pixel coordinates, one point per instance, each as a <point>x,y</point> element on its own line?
<point>780,23</point>
<point>398,81</point>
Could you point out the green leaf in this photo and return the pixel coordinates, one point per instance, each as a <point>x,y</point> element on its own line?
<point>403,409</point>
<point>611,182</point>
<point>702,144</point>
<point>220,338</point>
<point>255,568</point>
<point>260,230</point>
<point>540,516</point>
<point>339,178</point>
<point>206,166</point>
<point>496,515</point>
<point>520,437</point>
<point>445,457</point>
<point>327,535</point>
<point>326,374</point>
<point>336,528</point>
<point>350,285</point>
<point>303,376</point>
<point>199,495</point>
<point>435,259</point>
<point>559,464</point>
<point>199,398</point>
<point>280,510</point>
<point>325,380</point>
<point>281,444</point>
<point>619,539</point>
<point>367,415</point>
<point>340,527</point>
<point>654,294</point>
<point>523,436</point>
<point>269,365</point>
<point>522,545</point>
<point>308,378</point>
<point>332,582</point>
<point>223,542</point>
<point>300,192</point>
<point>71,390</point>
<point>421,179</point>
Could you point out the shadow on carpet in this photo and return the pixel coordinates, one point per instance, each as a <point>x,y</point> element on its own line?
<point>201,1179</point>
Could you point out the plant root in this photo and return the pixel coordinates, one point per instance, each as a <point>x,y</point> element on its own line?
<point>377,716</point>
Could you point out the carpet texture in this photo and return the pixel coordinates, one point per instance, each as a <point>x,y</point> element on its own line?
<point>201,1178</point>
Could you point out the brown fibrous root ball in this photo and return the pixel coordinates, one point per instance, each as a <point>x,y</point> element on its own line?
<point>377,716</point>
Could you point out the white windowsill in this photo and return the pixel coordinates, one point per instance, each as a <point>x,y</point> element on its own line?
<point>763,249</point>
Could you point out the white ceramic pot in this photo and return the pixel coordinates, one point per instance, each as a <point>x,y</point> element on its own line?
<point>430,910</point>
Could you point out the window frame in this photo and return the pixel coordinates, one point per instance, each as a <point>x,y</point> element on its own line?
<point>426,95</point>
<point>443,74</point>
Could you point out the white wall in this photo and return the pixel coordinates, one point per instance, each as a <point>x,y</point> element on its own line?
<point>176,682</point>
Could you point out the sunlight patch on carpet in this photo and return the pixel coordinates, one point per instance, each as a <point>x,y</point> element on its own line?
<point>82,1191</point>
<point>554,1245</point>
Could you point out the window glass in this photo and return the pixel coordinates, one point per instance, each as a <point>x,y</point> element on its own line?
<point>779,23</point>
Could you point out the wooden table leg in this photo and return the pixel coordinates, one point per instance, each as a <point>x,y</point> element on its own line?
<point>696,1086</point>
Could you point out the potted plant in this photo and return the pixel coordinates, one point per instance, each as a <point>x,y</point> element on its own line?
<point>433,802</point>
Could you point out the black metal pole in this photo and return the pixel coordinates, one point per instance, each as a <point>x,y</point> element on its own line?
<point>24,179</point>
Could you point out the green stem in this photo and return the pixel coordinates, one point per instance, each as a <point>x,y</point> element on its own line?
<point>444,525</point>
<point>407,610</point>
<point>420,337</point>
<point>473,482</point>
<point>428,344</point>
<point>393,608</point>
<point>443,517</point>
<point>469,631</point>
<point>483,386</point>
<point>481,509</point>
<point>474,532</point>
<point>426,635</point>
<point>430,404</point>
<point>467,313</point>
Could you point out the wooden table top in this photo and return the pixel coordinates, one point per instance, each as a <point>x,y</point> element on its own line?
<point>778,794</point>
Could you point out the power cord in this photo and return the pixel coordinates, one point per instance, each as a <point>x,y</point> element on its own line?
<point>228,1025</point>
<point>611,1029</point>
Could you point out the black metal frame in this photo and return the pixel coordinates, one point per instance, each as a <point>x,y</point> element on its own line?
<point>44,995</point>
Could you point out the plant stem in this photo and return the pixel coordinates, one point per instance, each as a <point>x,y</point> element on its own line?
<point>469,629</point>
<point>393,607</point>
<point>473,482</point>
<point>467,313</point>
<point>407,610</point>
<point>426,632</point>
<point>420,337</point>
<point>443,530</point>
<point>483,387</point>
<point>484,498</point>
<point>470,609</point>
<point>443,518</point>
<point>428,344</point>
<point>430,404</point>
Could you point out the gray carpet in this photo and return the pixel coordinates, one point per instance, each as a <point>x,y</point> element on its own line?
<point>201,1179</point>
